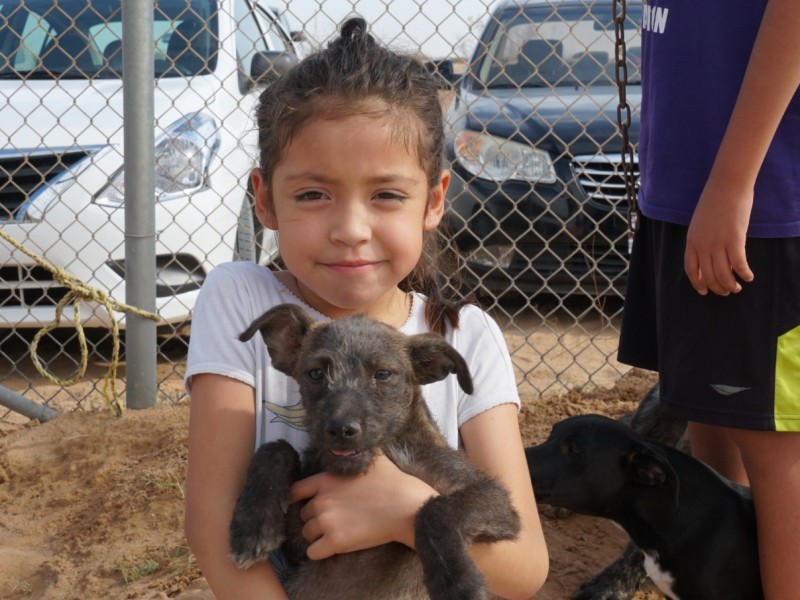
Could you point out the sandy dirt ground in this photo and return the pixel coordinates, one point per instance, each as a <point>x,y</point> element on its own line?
<point>92,504</point>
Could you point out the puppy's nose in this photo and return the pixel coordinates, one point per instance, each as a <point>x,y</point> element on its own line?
<point>343,429</point>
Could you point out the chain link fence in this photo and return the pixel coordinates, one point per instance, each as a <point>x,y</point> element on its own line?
<point>536,211</point>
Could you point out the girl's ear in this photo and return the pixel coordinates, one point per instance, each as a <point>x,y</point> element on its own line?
<point>435,209</point>
<point>264,209</point>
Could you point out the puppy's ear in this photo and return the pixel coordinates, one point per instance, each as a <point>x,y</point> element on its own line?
<point>647,466</point>
<point>283,328</point>
<point>434,359</point>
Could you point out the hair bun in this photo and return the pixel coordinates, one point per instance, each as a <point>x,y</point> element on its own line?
<point>354,29</point>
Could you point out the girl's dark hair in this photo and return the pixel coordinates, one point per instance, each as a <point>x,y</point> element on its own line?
<point>346,78</point>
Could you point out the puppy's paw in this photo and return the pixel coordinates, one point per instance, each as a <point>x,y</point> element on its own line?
<point>254,536</point>
<point>258,525</point>
<point>618,581</point>
<point>601,591</point>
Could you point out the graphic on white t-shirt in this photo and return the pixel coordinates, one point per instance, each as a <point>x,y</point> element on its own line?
<point>292,416</point>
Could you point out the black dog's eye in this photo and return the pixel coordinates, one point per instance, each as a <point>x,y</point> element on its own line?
<point>383,375</point>
<point>316,374</point>
<point>572,447</point>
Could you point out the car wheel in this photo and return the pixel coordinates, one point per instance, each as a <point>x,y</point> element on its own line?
<point>249,232</point>
<point>254,242</point>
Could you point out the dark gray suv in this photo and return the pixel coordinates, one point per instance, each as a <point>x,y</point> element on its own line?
<point>537,201</point>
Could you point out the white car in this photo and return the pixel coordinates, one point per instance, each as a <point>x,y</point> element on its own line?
<point>62,182</point>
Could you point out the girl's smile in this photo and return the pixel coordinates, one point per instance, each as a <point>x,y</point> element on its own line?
<point>351,267</point>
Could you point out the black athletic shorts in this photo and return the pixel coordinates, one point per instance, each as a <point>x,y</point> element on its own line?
<point>730,360</point>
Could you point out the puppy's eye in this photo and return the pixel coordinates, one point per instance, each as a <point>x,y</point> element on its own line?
<point>572,447</point>
<point>316,374</point>
<point>383,375</point>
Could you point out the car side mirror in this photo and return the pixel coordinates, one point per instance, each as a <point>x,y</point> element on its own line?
<point>268,66</point>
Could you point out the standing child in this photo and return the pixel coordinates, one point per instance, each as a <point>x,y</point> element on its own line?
<point>720,163</point>
<point>352,178</point>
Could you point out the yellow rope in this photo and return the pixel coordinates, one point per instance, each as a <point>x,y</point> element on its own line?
<point>78,291</point>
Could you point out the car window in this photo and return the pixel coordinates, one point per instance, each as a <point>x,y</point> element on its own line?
<point>82,39</point>
<point>544,46</point>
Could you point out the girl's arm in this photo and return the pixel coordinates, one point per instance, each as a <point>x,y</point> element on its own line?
<point>221,442</point>
<point>493,442</point>
<point>715,246</point>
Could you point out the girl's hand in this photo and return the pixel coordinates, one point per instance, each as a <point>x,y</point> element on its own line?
<point>715,243</point>
<point>349,513</point>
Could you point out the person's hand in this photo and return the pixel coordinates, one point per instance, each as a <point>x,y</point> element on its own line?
<point>349,513</point>
<point>715,243</point>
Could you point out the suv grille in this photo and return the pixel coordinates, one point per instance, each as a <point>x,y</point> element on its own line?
<point>601,177</point>
<point>21,174</point>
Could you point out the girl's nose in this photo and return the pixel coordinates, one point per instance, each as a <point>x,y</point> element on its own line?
<point>352,223</point>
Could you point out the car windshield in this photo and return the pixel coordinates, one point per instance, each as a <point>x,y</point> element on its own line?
<point>558,45</point>
<point>82,39</point>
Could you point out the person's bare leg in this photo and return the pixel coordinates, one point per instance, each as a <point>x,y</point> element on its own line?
<point>715,447</point>
<point>772,460</point>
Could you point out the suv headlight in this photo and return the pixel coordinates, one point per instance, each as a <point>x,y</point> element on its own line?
<point>499,159</point>
<point>183,156</point>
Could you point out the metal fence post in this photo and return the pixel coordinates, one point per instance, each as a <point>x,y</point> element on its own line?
<point>140,261</point>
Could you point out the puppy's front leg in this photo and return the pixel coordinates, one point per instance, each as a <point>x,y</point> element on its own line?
<point>258,525</point>
<point>447,524</point>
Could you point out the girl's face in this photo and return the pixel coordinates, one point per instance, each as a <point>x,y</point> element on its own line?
<point>351,202</point>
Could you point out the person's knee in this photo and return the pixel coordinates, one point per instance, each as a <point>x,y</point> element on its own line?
<point>716,447</point>
<point>771,456</point>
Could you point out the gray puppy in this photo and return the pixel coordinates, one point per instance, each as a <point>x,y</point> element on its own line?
<point>360,385</point>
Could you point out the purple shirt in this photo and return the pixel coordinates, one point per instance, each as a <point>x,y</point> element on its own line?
<point>699,51</point>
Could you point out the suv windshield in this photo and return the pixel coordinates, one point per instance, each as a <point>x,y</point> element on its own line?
<point>82,39</point>
<point>564,45</point>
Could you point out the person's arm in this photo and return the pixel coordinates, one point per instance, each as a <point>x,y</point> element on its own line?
<point>515,569</point>
<point>221,442</point>
<point>715,245</point>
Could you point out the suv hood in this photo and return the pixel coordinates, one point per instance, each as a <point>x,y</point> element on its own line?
<point>585,119</point>
<point>69,113</point>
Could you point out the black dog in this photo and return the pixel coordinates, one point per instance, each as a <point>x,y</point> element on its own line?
<point>360,385</point>
<point>622,578</point>
<point>697,530</point>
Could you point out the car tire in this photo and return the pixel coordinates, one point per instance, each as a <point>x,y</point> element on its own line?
<point>249,232</point>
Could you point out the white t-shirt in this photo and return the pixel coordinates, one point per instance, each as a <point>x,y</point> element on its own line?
<point>235,293</point>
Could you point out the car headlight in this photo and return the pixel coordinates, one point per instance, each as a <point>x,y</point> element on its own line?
<point>499,159</point>
<point>183,156</point>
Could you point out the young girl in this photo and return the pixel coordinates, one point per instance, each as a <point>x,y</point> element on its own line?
<point>352,178</point>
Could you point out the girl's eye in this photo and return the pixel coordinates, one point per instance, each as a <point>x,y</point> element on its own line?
<point>316,374</point>
<point>396,196</point>
<point>310,195</point>
<point>383,375</point>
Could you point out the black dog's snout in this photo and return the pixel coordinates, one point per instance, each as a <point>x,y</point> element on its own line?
<point>343,429</point>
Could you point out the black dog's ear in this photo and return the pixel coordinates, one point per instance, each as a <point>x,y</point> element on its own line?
<point>434,359</point>
<point>283,328</point>
<point>647,466</point>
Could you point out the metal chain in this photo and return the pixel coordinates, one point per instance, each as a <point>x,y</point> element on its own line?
<point>624,118</point>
